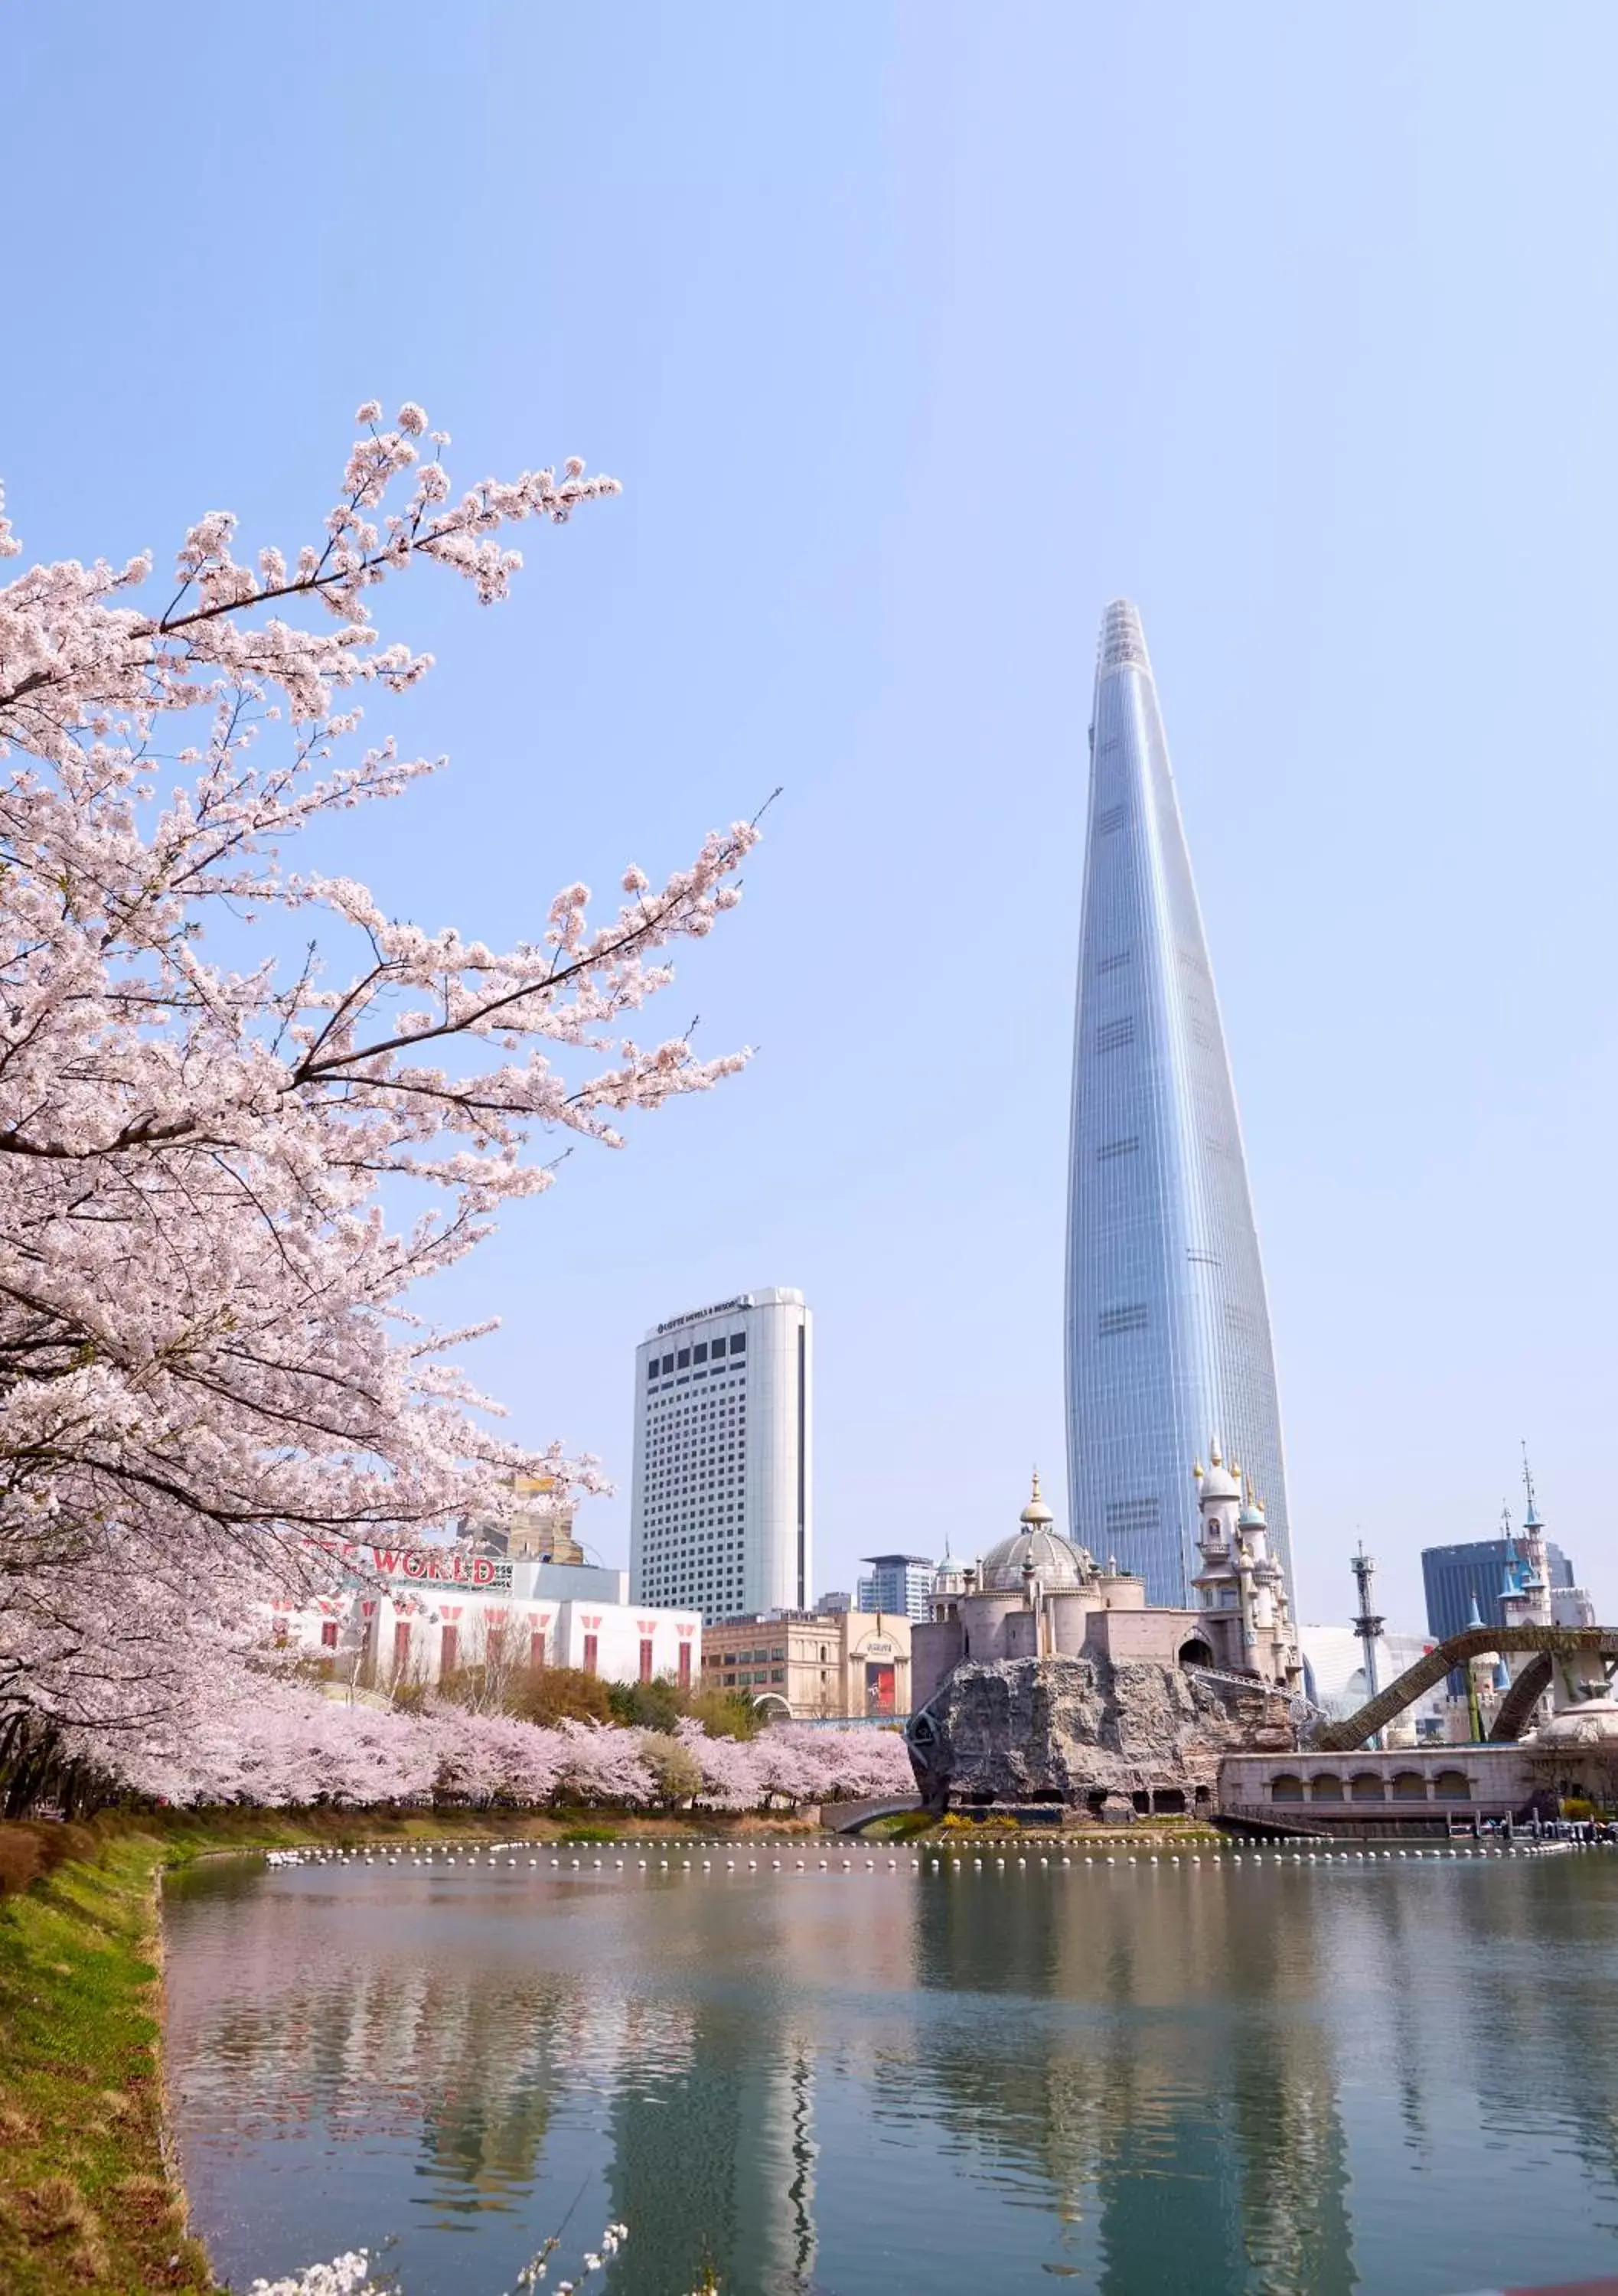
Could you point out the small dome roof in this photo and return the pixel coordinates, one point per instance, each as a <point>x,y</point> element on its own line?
<point>1594,1722</point>
<point>1216,1480</point>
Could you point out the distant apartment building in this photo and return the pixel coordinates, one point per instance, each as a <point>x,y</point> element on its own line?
<point>839,1666</point>
<point>898,1582</point>
<point>722,1513</point>
<point>834,1599</point>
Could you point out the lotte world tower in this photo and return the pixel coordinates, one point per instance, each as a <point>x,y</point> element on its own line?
<point>1168,1328</point>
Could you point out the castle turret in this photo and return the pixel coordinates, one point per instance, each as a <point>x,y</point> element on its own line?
<point>1242,1586</point>
<point>1535,1557</point>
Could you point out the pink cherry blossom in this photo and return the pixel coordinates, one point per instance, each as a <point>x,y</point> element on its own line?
<point>212,1356</point>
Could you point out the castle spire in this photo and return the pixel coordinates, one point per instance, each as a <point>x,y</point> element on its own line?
<point>1530,1520</point>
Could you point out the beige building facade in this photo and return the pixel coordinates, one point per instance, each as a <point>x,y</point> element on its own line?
<point>539,1528</point>
<point>853,1665</point>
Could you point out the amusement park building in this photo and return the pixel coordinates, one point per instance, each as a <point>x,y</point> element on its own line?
<point>1037,1594</point>
<point>413,1616</point>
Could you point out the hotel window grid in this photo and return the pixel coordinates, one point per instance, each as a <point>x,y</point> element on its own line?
<point>709,1515</point>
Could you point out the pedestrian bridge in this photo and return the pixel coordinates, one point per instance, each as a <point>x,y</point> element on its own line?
<point>850,1816</point>
<point>1546,1644</point>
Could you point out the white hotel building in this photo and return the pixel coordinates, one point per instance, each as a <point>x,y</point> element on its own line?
<point>724,1426</point>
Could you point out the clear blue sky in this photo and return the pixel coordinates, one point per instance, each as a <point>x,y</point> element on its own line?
<point>915,334</point>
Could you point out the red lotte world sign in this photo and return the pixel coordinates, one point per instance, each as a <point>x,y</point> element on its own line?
<point>439,1566</point>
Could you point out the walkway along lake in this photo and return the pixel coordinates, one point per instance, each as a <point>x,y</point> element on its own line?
<point>1254,2074</point>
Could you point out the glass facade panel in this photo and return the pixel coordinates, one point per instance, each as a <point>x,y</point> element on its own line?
<point>1167,1326</point>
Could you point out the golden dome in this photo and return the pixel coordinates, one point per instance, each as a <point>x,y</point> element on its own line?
<point>1035,1513</point>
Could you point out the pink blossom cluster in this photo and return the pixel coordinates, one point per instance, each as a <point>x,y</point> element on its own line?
<point>283,1744</point>
<point>209,1348</point>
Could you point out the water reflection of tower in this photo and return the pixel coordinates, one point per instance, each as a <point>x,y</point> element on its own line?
<point>720,2161</point>
<point>1186,2061</point>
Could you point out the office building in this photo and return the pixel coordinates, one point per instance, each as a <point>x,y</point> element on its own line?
<point>898,1582</point>
<point>843,1666</point>
<point>1456,1576</point>
<point>722,1513</point>
<point>1168,1327</point>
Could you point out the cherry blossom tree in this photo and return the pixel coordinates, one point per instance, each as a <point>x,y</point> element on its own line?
<point>280,1745</point>
<point>216,1074</point>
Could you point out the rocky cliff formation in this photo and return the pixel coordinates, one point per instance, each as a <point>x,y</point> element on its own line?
<point>1087,1731</point>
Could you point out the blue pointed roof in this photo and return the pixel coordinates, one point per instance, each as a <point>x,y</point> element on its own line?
<point>1531,1520</point>
<point>1476,1618</point>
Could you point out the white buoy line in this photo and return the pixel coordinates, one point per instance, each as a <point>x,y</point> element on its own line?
<point>933,1856</point>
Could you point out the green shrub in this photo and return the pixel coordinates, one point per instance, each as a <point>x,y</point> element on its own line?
<point>725,1713</point>
<point>646,1705</point>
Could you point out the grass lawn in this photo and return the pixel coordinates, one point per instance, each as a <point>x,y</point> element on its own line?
<point>84,2198</point>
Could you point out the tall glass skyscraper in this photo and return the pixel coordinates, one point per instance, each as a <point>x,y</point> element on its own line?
<point>1168,1328</point>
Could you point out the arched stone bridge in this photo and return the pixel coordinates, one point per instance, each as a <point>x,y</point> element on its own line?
<point>850,1816</point>
<point>1548,1644</point>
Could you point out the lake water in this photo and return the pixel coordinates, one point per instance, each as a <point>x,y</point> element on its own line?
<point>1146,2079</point>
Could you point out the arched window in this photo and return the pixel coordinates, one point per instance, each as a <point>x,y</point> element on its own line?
<point>1366,1786</point>
<point>1410,1786</point>
<point>1327,1787</point>
<point>1452,1785</point>
<point>1286,1788</point>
